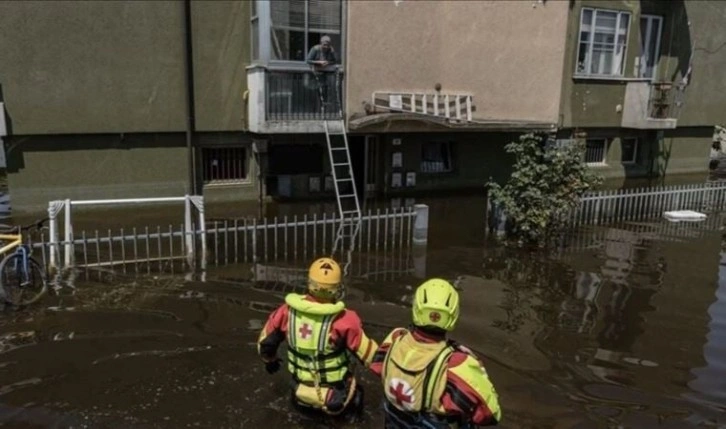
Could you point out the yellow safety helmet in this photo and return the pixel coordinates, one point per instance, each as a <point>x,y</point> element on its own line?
<point>436,304</point>
<point>324,278</point>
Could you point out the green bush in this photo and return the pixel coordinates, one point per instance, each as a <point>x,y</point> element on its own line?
<point>546,184</point>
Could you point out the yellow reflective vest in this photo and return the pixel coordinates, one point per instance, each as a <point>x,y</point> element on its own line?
<point>414,374</point>
<point>310,357</point>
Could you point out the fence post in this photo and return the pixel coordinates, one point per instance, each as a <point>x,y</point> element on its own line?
<point>199,204</point>
<point>54,207</point>
<point>68,233</point>
<point>188,237</point>
<point>420,239</point>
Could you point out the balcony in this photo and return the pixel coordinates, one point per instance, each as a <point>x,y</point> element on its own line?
<point>291,100</point>
<point>649,106</point>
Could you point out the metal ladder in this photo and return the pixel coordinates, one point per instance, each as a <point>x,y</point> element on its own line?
<point>349,211</point>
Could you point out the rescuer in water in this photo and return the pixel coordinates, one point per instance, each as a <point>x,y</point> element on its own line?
<point>320,332</point>
<point>429,381</point>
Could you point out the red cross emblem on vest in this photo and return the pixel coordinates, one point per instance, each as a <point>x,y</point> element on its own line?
<point>305,331</point>
<point>402,393</point>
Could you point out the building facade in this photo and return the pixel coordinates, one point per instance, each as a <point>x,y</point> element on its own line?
<point>113,100</point>
<point>146,98</point>
<point>642,84</point>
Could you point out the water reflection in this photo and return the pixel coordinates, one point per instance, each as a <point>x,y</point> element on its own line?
<point>710,380</point>
<point>620,330</point>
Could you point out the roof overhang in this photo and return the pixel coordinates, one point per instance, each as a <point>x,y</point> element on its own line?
<point>382,122</point>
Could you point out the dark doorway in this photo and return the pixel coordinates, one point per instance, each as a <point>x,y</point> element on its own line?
<point>357,159</point>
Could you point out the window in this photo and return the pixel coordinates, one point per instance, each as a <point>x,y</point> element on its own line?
<point>603,41</point>
<point>297,25</point>
<point>650,31</point>
<point>629,151</point>
<point>436,157</point>
<point>595,151</point>
<point>224,165</point>
<point>254,25</point>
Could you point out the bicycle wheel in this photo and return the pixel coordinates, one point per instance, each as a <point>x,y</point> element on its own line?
<point>22,288</point>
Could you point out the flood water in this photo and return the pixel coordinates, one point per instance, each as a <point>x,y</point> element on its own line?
<point>626,328</point>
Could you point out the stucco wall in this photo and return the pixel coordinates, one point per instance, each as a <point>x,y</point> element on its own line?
<point>45,168</point>
<point>691,35</point>
<point>92,67</point>
<point>508,54</point>
<point>221,47</point>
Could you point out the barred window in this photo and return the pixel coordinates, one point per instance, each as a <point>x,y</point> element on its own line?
<point>224,165</point>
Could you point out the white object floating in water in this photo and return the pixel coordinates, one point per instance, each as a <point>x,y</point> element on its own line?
<point>684,216</point>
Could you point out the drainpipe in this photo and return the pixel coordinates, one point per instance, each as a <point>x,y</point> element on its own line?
<point>189,79</point>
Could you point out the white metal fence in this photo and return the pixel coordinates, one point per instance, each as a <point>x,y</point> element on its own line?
<point>385,233</point>
<point>643,203</point>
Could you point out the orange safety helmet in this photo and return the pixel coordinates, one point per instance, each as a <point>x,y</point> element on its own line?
<point>324,277</point>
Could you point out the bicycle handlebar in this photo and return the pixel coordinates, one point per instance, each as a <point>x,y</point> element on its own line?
<point>38,224</point>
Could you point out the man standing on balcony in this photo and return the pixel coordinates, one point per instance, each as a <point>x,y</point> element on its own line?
<point>323,60</point>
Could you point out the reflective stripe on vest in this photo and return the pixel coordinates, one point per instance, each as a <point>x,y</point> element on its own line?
<point>414,375</point>
<point>310,356</point>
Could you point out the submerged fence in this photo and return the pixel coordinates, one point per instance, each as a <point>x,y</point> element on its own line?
<point>594,237</point>
<point>644,203</point>
<point>285,242</point>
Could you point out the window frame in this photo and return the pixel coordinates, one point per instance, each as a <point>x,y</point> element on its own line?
<point>623,67</point>
<point>634,159</point>
<point>449,153</point>
<point>604,141</point>
<point>264,36</point>
<point>245,163</point>
<point>661,22</point>
<point>255,45</point>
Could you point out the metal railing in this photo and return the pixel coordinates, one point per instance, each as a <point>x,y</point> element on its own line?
<point>644,203</point>
<point>290,241</point>
<point>661,101</point>
<point>301,95</point>
<point>448,106</point>
<point>593,237</point>
<point>187,231</point>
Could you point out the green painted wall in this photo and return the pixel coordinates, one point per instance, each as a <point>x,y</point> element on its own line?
<point>221,52</point>
<point>681,151</point>
<point>43,168</point>
<point>92,67</point>
<point>593,102</point>
<point>476,157</point>
<point>113,66</point>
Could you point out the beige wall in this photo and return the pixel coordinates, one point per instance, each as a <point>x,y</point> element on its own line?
<point>517,52</point>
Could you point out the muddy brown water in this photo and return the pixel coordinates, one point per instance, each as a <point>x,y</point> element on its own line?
<point>624,328</point>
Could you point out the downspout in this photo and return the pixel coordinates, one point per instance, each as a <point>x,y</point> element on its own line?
<point>189,80</point>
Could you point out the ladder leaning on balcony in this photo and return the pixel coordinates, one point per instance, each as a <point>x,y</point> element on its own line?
<point>349,211</point>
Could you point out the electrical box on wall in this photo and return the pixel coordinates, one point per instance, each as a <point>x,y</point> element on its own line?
<point>396,142</point>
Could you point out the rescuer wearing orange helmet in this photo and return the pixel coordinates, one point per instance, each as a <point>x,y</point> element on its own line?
<point>429,381</point>
<point>320,332</point>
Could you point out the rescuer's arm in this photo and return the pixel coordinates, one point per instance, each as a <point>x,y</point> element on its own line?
<point>271,336</point>
<point>350,329</point>
<point>469,391</point>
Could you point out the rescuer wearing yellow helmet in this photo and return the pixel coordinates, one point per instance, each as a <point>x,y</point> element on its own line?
<point>429,381</point>
<point>320,332</point>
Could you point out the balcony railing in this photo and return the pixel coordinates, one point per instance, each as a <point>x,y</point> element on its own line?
<point>661,100</point>
<point>300,95</point>
<point>649,106</point>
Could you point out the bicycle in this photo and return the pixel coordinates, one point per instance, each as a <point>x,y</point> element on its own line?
<point>20,274</point>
